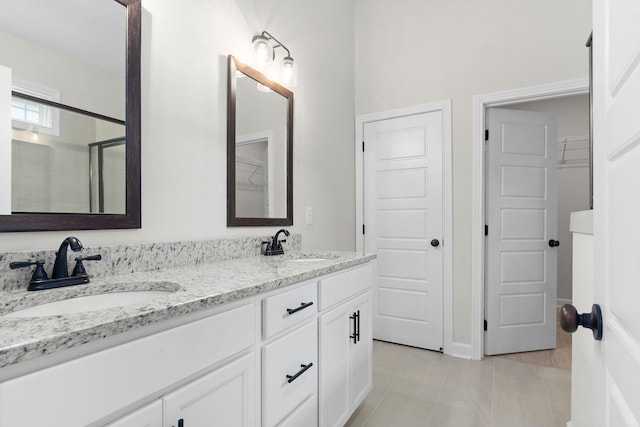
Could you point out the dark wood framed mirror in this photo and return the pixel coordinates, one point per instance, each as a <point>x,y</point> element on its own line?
<point>129,214</point>
<point>259,149</point>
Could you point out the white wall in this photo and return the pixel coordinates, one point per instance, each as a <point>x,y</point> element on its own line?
<point>411,52</point>
<point>572,113</point>
<point>184,73</point>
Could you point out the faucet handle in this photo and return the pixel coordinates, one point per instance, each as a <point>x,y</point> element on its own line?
<point>79,269</point>
<point>38,273</point>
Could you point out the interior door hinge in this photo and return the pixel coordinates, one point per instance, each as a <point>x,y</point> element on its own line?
<point>362,228</point>
<point>363,146</point>
<point>486,134</point>
<point>486,230</point>
<point>485,325</point>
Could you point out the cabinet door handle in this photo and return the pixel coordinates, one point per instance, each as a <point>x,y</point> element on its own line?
<point>303,305</point>
<point>358,320</point>
<point>355,327</point>
<point>292,378</point>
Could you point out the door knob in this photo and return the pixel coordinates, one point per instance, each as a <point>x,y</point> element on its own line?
<point>553,243</point>
<point>435,243</point>
<point>570,320</point>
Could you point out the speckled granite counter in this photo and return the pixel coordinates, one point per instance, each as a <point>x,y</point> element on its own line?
<point>199,287</point>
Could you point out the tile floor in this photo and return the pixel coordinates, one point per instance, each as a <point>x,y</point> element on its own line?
<point>413,387</point>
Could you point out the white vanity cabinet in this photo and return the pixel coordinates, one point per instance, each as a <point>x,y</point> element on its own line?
<point>291,357</point>
<point>147,416</point>
<point>345,349</point>
<point>92,389</point>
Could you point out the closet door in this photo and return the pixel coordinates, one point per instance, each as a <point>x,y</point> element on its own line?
<point>522,218</point>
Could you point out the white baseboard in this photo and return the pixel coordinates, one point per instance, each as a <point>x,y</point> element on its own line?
<point>460,350</point>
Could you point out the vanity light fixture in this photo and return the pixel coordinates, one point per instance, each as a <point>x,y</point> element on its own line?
<point>34,136</point>
<point>285,71</point>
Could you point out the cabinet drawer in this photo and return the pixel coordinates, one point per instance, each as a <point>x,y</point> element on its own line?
<point>305,415</point>
<point>289,308</point>
<point>338,287</point>
<point>283,357</point>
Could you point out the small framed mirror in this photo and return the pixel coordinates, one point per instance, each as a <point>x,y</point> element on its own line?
<point>75,114</point>
<point>259,149</point>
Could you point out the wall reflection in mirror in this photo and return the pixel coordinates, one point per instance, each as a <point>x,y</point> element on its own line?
<point>260,123</point>
<point>67,152</point>
<point>261,135</point>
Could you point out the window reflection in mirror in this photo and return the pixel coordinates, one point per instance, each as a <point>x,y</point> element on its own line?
<point>60,163</point>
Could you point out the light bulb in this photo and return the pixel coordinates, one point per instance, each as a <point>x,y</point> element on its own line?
<point>263,50</point>
<point>289,72</point>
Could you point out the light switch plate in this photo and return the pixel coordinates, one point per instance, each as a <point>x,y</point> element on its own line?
<point>309,216</point>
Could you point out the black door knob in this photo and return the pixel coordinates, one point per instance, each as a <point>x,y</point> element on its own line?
<point>570,320</point>
<point>435,243</point>
<point>553,243</point>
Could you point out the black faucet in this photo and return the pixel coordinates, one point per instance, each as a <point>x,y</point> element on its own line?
<point>275,246</point>
<point>60,268</point>
<point>60,275</point>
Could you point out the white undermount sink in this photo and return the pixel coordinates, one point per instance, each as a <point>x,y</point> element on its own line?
<point>306,260</point>
<point>86,303</point>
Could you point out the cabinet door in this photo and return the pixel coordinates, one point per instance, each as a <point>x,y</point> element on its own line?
<point>335,330</point>
<point>225,397</point>
<point>360,352</point>
<point>147,416</point>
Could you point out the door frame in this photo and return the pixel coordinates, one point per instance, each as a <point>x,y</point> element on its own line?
<point>480,105</point>
<point>264,136</point>
<point>449,346</point>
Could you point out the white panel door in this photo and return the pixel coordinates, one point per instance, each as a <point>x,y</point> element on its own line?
<point>520,307</point>
<point>403,215</point>
<point>616,90</point>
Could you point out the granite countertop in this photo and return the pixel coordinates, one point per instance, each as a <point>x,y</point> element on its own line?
<point>199,287</point>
